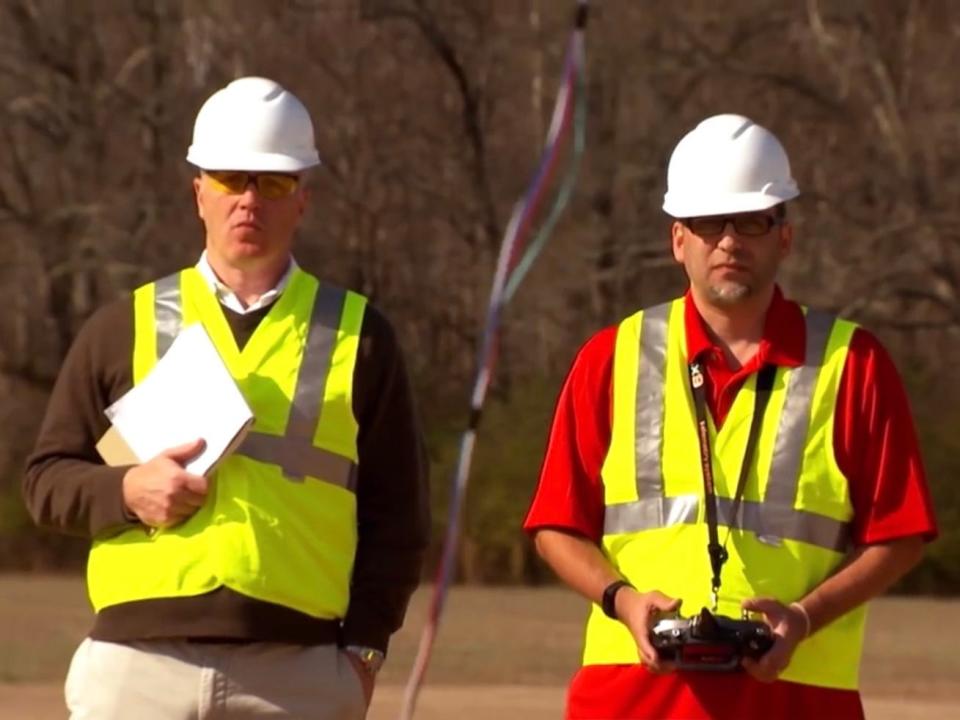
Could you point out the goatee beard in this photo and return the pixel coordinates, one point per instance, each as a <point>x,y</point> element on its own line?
<point>729,294</point>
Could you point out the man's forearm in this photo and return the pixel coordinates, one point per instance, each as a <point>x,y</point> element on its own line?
<point>577,561</point>
<point>868,572</point>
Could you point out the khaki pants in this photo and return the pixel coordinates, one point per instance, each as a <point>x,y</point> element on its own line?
<point>178,680</point>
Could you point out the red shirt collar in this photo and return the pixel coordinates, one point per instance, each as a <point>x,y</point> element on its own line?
<point>784,332</point>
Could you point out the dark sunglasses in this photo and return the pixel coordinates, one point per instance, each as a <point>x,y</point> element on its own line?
<point>751,224</point>
<point>270,185</point>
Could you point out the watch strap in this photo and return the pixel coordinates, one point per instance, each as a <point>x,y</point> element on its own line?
<point>608,601</point>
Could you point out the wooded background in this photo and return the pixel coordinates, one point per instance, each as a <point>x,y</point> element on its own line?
<point>430,116</point>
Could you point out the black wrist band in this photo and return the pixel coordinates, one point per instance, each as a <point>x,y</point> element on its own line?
<point>608,603</point>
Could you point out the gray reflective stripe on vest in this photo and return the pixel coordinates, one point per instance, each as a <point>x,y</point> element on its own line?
<point>295,452</point>
<point>792,432</point>
<point>772,520</point>
<point>793,524</point>
<point>650,513</point>
<point>315,367</point>
<point>298,459</point>
<point>787,523</point>
<point>168,311</point>
<point>651,381</point>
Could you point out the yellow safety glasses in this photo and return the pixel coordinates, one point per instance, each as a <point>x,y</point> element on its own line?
<point>270,185</point>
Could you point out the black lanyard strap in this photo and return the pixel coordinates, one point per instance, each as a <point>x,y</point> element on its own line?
<point>717,552</point>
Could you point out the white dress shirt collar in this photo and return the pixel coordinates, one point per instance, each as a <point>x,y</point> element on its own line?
<point>228,298</point>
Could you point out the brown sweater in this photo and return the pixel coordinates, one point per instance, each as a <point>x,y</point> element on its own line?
<point>69,489</point>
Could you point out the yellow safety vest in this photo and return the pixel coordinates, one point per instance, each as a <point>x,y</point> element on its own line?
<point>279,523</point>
<point>792,530</point>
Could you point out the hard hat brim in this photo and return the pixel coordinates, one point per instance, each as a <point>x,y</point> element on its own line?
<point>686,207</point>
<point>251,161</point>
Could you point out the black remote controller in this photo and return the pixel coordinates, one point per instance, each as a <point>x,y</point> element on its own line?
<point>710,642</point>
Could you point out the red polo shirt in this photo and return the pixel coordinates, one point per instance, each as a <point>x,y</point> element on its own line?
<point>876,448</point>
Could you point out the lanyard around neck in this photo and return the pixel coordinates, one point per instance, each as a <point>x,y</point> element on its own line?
<point>718,553</point>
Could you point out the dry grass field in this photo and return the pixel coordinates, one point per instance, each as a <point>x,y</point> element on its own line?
<point>502,653</point>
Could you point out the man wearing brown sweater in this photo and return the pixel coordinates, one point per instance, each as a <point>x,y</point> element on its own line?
<point>271,587</point>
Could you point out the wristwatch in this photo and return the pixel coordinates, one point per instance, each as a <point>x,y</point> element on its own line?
<point>371,658</point>
<point>608,602</point>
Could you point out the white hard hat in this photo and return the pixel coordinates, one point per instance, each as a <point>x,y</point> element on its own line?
<point>727,164</point>
<point>253,124</point>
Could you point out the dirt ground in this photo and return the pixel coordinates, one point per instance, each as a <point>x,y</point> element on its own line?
<point>503,653</point>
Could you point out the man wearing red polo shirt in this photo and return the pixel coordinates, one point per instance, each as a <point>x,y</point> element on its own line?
<point>730,450</point>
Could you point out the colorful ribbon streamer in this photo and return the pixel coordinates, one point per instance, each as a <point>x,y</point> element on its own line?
<point>569,112</point>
